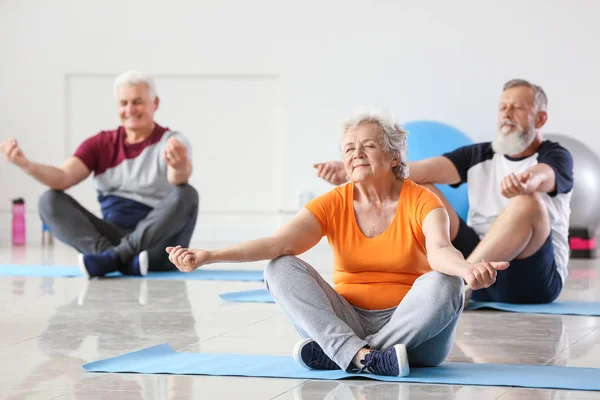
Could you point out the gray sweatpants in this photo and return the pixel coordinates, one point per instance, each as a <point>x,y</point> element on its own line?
<point>424,321</point>
<point>170,223</point>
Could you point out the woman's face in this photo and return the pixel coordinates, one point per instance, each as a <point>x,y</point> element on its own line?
<point>364,157</point>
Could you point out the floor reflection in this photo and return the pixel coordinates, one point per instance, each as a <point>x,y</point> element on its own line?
<point>108,318</point>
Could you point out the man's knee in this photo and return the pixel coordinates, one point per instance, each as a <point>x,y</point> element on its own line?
<point>186,195</point>
<point>529,205</point>
<point>50,202</point>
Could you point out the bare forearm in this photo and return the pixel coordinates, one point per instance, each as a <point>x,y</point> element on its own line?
<point>448,260</point>
<point>434,170</point>
<point>415,173</point>
<point>266,248</point>
<point>542,178</point>
<point>539,183</point>
<point>53,177</point>
<point>179,176</point>
<point>534,185</point>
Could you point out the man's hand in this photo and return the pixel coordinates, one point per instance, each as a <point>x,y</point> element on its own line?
<point>187,260</point>
<point>515,184</point>
<point>176,154</point>
<point>482,275</point>
<point>13,153</point>
<point>332,171</point>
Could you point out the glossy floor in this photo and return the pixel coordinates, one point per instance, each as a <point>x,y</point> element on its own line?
<point>49,327</point>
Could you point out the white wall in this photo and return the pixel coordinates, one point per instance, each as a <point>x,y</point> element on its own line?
<point>300,67</point>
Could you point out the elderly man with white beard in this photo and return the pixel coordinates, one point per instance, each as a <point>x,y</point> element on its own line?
<point>519,190</point>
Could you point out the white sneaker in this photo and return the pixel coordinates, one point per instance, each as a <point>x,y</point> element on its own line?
<point>143,259</point>
<point>82,267</point>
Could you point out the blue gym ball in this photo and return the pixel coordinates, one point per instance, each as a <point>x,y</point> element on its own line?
<point>429,139</point>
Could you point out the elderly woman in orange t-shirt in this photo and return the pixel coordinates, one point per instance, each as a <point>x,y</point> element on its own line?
<point>398,289</point>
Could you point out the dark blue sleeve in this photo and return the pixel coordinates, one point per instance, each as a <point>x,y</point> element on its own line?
<point>561,162</point>
<point>465,157</point>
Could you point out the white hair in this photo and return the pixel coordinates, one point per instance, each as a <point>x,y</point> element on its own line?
<point>393,137</point>
<point>133,78</point>
<point>540,100</point>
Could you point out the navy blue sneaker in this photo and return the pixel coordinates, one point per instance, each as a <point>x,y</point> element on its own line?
<point>389,362</point>
<point>92,265</point>
<point>310,355</point>
<point>137,266</point>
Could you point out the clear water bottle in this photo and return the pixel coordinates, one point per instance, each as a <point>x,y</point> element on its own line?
<point>47,238</point>
<point>18,222</point>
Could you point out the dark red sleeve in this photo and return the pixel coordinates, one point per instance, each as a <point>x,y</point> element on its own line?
<point>88,152</point>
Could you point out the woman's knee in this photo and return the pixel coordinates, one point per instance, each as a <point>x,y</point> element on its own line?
<point>277,266</point>
<point>279,269</point>
<point>449,287</point>
<point>446,282</point>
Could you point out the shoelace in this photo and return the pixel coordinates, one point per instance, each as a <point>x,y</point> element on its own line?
<point>322,360</point>
<point>379,363</point>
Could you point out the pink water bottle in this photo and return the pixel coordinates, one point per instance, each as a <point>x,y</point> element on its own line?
<point>18,222</point>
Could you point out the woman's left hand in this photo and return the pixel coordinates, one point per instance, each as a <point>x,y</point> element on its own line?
<point>187,260</point>
<point>482,275</point>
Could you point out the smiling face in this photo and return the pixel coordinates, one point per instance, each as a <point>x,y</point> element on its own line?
<point>364,155</point>
<point>136,107</point>
<point>516,121</point>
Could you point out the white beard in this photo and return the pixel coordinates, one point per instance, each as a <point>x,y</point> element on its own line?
<point>512,140</point>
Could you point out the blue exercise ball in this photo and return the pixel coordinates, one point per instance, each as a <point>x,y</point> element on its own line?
<point>431,138</point>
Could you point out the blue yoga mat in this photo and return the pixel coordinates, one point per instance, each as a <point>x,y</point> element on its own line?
<point>39,270</point>
<point>248,296</point>
<point>73,271</point>
<point>558,307</point>
<point>162,359</point>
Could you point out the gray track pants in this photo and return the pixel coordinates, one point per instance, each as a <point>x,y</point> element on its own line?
<point>424,321</point>
<point>170,223</point>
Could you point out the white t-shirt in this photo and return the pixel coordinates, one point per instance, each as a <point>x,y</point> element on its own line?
<point>483,170</point>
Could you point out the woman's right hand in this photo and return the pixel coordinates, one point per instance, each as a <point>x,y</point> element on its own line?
<point>482,275</point>
<point>332,171</point>
<point>187,260</point>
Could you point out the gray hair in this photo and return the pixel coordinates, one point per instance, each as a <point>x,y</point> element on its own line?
<point>133,78</point>
<point>393,137</point>
<point>540,98</point>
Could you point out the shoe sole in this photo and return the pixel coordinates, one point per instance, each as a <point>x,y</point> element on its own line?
<point>402,357</point>
<point>143,260</point>
<point>82,267</point>
<point>298,350</point>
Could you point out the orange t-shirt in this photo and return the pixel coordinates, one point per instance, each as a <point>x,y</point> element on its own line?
<point>376,273</point>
